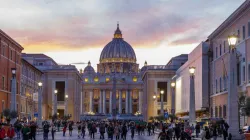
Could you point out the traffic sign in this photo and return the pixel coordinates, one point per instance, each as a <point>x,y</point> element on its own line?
<point>166,115</point>
<point>36,115</point>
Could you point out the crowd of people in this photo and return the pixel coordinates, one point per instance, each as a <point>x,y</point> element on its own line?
<point>114,129</point>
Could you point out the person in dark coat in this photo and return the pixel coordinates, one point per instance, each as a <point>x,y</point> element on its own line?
<point>197,129</point>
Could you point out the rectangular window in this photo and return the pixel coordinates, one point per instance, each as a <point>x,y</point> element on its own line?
<point>243,32</point>
<point>216,86</point>
<point>239,35</point>
<point>11,55</point>
<point>249,28</point>
<point>3,51</point>
<point>216,53</point>
<point>248,73</point>
<point>220,85</point>
<point>220,49</point>
<point>225,83</point>
<point>3,83</point>
<point>3,105</point>
<point>244,73</point>
<point>224,46</point>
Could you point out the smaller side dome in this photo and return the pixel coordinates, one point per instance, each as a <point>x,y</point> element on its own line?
<point>89,69</point>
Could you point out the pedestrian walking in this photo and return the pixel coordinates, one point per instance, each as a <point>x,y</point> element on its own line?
<point>149,128</point>
<point>102,130</point>
<point>64,129</point>
<point>132,128</point>
<point>197,129</point>
<point>33,128</point>
<point>18,127</point>
<point>83,130</point>
<point>11,132</point>
<point>58,125</point>
<point>110,131</point>
<point>53,131</point>
<point>163,135</point>
<point>70,128</point>
<point>117,132</point>
<point>79,128</point>
<point>25,132</point>
<point>46,131</point>
<point>215,134</point>
<point>124,132</point>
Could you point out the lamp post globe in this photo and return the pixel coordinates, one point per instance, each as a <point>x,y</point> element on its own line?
<point>55,91</point>
<point>192,70</point>
<point>154,97</point>
<point>232,40</point>
<point>40,84</point>
<point>173,84</point>
<point>162,91</point>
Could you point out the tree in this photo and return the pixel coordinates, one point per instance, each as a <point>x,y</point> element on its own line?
<point>9,114</point>
<point>172,117</point>
<point>247,107</point>
<point>13,114</point>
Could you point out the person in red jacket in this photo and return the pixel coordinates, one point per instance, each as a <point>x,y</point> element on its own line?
<point>11,132</point>
<point>2,133</point>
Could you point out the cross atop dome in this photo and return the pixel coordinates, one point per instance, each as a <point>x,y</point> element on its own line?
<point>118,32</point>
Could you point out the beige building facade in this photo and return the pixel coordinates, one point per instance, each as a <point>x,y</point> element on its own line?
<point>30,78</point>
<point>63,78</point>
<point>237,23</point>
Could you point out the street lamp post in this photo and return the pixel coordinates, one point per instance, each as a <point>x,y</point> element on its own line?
<point>114,109</point>
<point>66,104</point>
<point>192,115</point>
<point>155,105</point>
<point>40,89</point>
<point>55,101</point>
<point>232,104</point>
<point>13,89</point>
<point>162,109</point>
<point>173,98</point>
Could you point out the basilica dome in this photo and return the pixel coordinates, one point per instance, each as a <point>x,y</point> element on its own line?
<point>118,50</point>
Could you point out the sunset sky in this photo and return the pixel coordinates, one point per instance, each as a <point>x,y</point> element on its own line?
<point>73,31</point>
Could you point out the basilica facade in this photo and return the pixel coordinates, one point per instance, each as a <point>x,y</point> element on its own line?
<point>120,86</point>
<point>117,82</point>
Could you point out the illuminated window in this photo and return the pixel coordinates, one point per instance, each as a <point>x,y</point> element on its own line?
<point>123,95</point>
<point>135,95</point>
<point>107,79</point>
<point>135,79</point>
<point>86,79</point>
<point>96,79</point>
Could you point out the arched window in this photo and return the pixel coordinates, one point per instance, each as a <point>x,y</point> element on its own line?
<point>220,111</point>
<point>224,111</point>
<point>211,112</point>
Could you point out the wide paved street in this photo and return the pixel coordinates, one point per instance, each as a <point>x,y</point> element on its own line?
<point>59,136</point>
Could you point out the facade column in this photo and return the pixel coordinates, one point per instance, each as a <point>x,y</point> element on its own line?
<point>192,115</point>
<point>120,101</point>
<point>13,93</point>
<point>81,104</point>
<point>130,101</point>
<point>110,102</point>
<point>140,102</point>
<point>100,102</point>
<point>91,101</point>
<point>104,101</point>
<point>126,101</point>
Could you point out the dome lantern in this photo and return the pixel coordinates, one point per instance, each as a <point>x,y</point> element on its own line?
<point>118,32</point>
